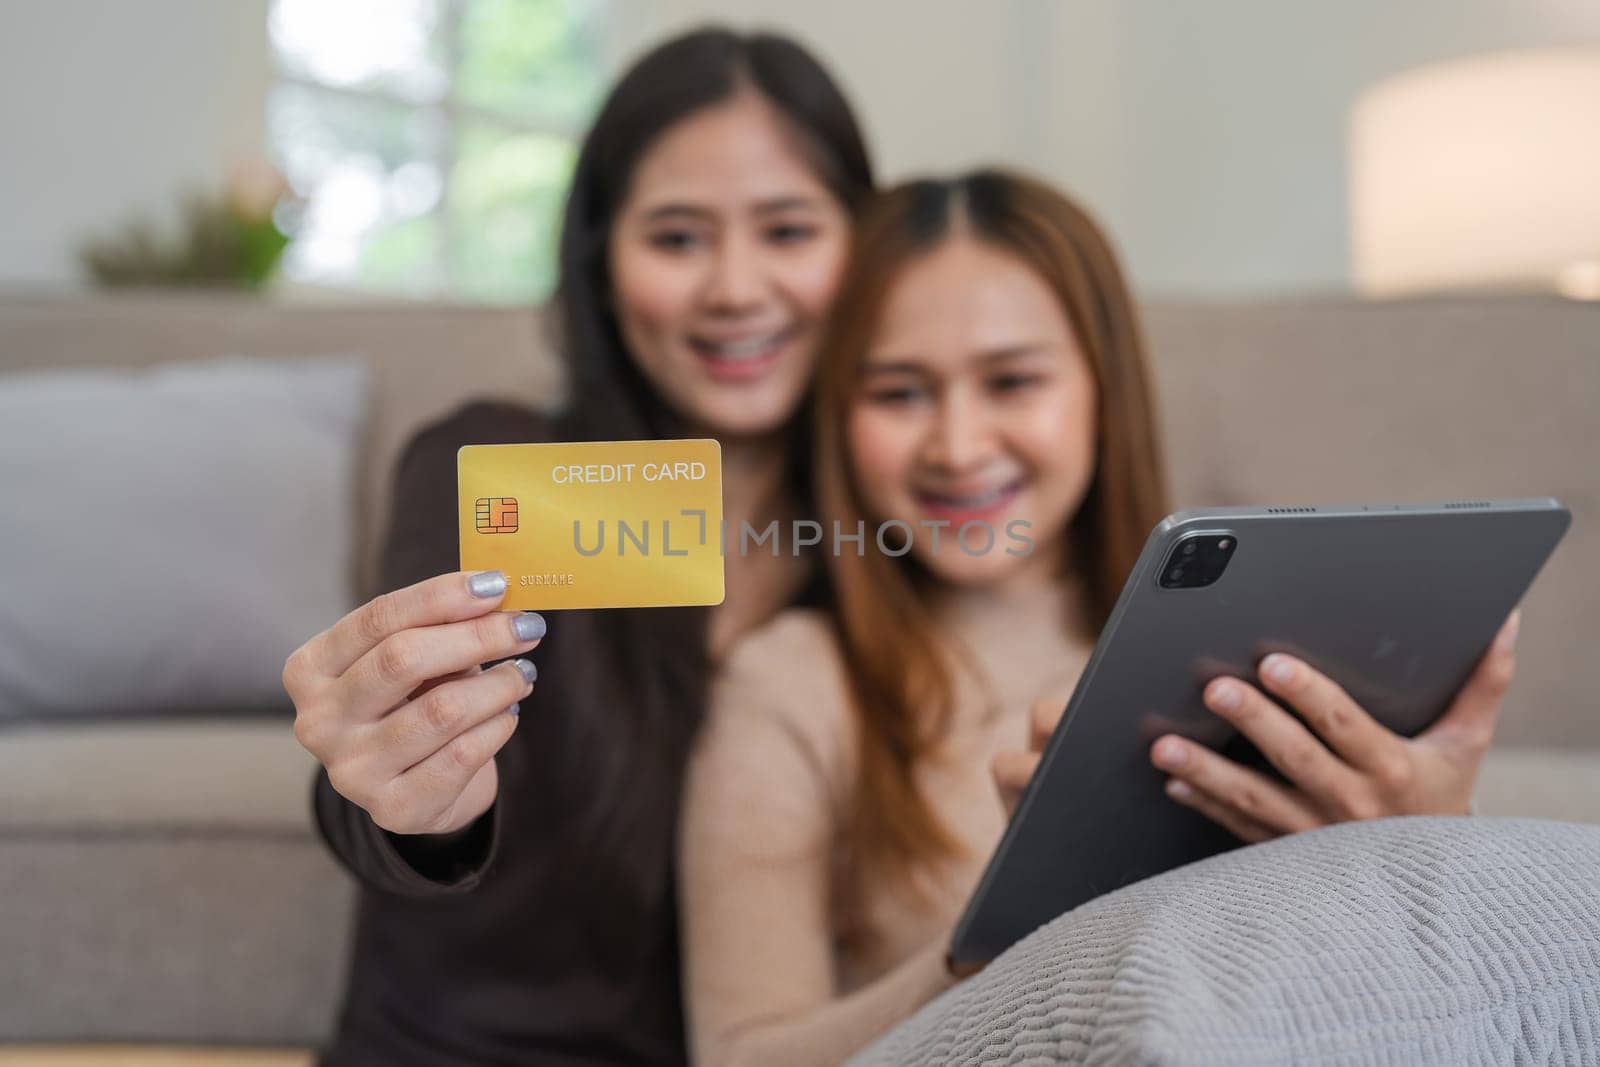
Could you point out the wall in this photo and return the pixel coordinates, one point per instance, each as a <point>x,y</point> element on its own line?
<point>1232,174</point>
<point>109,109</point>
<point>1209,136</point>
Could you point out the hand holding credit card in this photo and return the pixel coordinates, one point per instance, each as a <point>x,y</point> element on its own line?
<point>603,524</point>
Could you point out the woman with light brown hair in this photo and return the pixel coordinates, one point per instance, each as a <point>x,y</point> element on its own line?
<point>988,468</point>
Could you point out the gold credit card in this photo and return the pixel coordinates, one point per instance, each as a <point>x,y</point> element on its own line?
<point>603,524</point>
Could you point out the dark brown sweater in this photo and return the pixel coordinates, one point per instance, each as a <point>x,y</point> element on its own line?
<point>487,948</point>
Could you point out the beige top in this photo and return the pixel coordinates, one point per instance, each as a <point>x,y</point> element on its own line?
<point>781,964</point>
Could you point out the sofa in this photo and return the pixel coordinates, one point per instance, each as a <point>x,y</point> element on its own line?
<point>162,882</point>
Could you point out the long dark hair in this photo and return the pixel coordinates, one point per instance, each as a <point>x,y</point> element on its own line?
<point>901,688</point>
<point>625,762</point>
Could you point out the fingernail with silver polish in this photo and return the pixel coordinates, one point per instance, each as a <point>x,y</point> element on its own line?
<point>515,709</point>
<point>529,626</point>
<point>487,584</point>
<point>530,673</point>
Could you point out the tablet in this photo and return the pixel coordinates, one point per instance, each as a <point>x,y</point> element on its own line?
<point>1396,603</point>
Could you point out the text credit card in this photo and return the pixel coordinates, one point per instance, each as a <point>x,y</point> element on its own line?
<point>604,524</point>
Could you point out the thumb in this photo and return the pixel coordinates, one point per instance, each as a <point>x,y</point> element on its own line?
<point>1043,716</point>
<point>1012,771</point>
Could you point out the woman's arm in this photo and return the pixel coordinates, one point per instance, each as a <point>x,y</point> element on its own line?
<point>421,542</point>
<point>412,865</point>
<point>758,833</point>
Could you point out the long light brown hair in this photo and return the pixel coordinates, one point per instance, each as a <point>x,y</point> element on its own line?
<point>899,676</point>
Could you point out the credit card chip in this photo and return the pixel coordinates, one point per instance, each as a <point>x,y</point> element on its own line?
<point>497,514</point>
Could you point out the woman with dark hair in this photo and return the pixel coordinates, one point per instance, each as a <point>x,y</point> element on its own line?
<point>983,372</point>
<point>518,891</point>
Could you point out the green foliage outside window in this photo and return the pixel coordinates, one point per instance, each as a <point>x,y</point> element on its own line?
<point>431,140</point>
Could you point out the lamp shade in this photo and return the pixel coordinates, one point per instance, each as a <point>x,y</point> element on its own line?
<point>1479,172</point>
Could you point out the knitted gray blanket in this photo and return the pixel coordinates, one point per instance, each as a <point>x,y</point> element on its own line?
<point>1400,941</point>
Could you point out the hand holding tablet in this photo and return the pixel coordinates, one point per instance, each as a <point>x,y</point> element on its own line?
<point>1337,762</point>
<point>1394,622</point>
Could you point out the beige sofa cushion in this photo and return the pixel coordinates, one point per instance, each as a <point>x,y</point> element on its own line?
<point>171,774</point>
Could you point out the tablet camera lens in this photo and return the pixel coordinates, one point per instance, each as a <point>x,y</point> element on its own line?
<point>1197,561</point>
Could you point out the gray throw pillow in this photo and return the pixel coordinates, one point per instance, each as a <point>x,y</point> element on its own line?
<point>168,536</point>
<point>1425,940</point>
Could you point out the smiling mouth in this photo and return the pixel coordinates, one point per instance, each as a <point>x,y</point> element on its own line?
<point>744,350</point>
<point>969,506</point>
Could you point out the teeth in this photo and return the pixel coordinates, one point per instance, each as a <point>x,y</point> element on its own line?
<point>973,501</point>
<point>742,350</point>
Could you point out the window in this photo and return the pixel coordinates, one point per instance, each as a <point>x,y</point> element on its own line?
<point>431,140</point>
